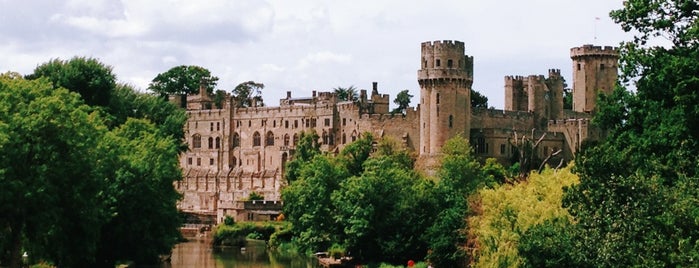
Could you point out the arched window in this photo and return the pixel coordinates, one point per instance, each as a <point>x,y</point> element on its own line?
<point>236,140</point>
<point>256,139</point>
<point>325,137</point>
<point>218,142</point>
<point>344,138</point>
<point>296,139</point>
<point>211,143</point>
<point>286,139</point>
<point>331,139</point>
<point>196,141</point>
<point>270,139</point>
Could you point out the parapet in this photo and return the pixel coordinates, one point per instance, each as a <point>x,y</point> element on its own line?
<point>590,50</point>
<point>443,45</point>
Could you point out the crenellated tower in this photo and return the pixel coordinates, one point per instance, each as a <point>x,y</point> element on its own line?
<point>445,79</point>
<point>594,71</point>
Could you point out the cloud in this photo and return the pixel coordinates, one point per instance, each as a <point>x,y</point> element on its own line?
<point>323,58</point>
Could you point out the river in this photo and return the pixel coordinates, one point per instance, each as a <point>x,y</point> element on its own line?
<point>197,252</point>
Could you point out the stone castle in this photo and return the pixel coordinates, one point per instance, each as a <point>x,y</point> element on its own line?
<point>235,151</point>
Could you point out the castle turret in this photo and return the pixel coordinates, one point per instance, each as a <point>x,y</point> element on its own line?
<point>594,71</point>
<point>445,79</point>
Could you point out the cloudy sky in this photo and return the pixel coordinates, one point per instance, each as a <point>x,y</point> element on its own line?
<point>301,46</point>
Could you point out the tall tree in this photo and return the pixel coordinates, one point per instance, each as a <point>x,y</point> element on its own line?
<point>52,185</point>
<point>478,101</point>
<point>307,147</point>
<point>183,79</point>
<point>403,101</point>
<point>346,93</point>
<point>90,78</point>
<point>248,94</point>
<point>636,203</point>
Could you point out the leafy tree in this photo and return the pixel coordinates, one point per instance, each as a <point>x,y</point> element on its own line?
<point>144,164</point>
<point>636,203</point>
<point>478,100</point>
<point>567,99</point>
<point>88,77</point>
<point>220,97</point>
<point>355,153</point>
<point>52,187</point>
<point>183,79</point>
<point>403,102</point>
<point>307,148</point>
<point>346,93</point>
<point>247,93</point>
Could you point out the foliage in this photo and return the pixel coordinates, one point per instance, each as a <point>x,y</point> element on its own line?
<point>460,175</point>
<point>478,100</point>
<point>228,220</point>
<point>306,148</point>
<point>88,77</point>
<point>567,99</point>
<point>508,211</point>
<point>248,93</point>
<point>255,196</point>
<point>143,166</point>
<point>183,79</point>
<point>355,153</point>
<point>636,203</point>
<point>220,97</point>
<point>346,94</point>
<point>551,243</point>
<point>403,101</point>
<point>235,234</point>
<point>52,187</point>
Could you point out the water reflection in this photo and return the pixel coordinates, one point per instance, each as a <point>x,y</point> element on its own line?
<point>197,252</point>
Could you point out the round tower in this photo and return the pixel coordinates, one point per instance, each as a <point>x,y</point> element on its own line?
<point>594,71</point>
<point>445,79</point>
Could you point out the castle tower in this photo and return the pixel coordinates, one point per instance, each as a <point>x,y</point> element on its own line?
<point>594,71</point>
<point>445,79</point>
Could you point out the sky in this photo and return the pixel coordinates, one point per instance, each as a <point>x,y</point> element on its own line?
<point>301,46</point>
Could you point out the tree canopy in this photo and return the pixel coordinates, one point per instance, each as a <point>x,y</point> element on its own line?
<point>403,101</point>
<point>248,94</point>
<point>90,78</point>
<point>478,100</point>
<point>346,93</point>
<point>183,79</point>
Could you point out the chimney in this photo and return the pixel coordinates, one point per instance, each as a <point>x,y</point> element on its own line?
<point>314,93</point>
<point>375,88</point>
<point>288,95</point>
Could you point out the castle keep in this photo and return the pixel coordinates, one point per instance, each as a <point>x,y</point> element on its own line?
<point>236,151</point>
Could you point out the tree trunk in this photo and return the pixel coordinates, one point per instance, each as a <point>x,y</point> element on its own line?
<point>16,246</point>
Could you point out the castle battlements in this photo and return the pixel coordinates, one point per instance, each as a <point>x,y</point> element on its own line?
<point>443,45</point>
<point>590,50</point>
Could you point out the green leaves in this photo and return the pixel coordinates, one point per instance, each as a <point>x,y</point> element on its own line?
<point>183,79</point>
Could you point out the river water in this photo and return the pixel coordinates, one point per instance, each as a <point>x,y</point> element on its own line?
<point>198,253</point>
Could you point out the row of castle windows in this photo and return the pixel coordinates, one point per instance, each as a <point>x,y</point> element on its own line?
<point>196,142</point>
<point>309,122</point>
<point>438,63</point>
<point>189,161</point>
<point>601,66</point>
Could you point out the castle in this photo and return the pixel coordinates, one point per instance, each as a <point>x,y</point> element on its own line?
<point>236,151</point>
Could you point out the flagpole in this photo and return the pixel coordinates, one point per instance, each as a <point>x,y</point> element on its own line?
<point>595,29</point>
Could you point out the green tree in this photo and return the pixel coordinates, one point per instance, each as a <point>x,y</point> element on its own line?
<point>636,203</point>
<point>306,148</point>
<point>403,102</point>
<point>346,93</point>
<point>144,220</point>
<point>220,97</point>
<point>52,187</point>
<point>183,79</point>
<point>478,101</point>
<point>355,153</point>
<point>248,93</point>
<point>88,77</point>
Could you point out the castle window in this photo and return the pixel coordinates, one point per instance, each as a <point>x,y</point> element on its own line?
<point>344,138</point>
<point>344,121</point>
<point>249,123</point>
<point>189,161</point>
<point>601,66</point>
<point>212,126</point>
<point>451,121</point>
<point>198,161</point>
<point>234,161</point>
<point>218,142</point>
<point>502,148</point>
<point>236,140</point>
<point>296,139</point>
<point>424,63</point>
<point>481,146</point>
<point>256,139</point>
<point>286,124</point>
<point>313,122</point>
<point>437,98</point>
<point>286,139</point>
<point>296,123</point>
<point>578,66</point>
<point>211,143</point>
<point>218,126</point>
<point>264,122</point>
<point>331,139</point>
<point>438,63</point>
<point>211,161</point>
<point>196,141</point>
<point>327,122</point>
<point>308,123</point>
<point>274,123</point>
<point>270,139</point>
<point>450,63</point>
<point>325,137</point>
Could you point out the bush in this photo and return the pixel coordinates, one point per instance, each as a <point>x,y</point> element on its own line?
<point>229,221</point>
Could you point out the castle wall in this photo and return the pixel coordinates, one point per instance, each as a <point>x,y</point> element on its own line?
<point>594,72</point>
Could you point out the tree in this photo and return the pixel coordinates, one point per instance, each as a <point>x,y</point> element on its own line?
<point>144,166</point>
<point>478,101</point>
<point>248,94</point>
<point>183,79</point>
<point>90,78</point>
<point>567,99</point>
<point>220,97</point>
<point>355,153</point>
<point>52,185</point>
<point>346,94</point>
<point>403,102</point>
<point>307,148</point>
<point>636,203</point>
